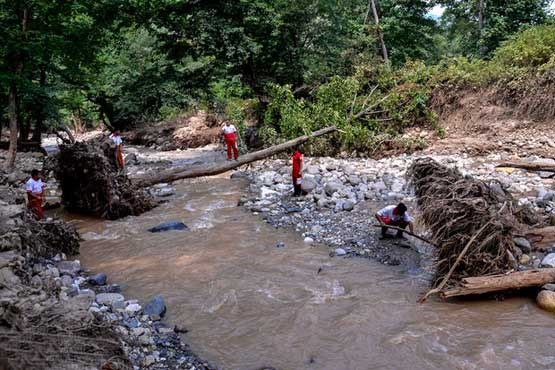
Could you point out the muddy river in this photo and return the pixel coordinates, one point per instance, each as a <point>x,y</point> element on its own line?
<point>249,304</point>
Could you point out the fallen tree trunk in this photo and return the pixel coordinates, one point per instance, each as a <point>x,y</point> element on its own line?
<point>541,239</point>
<point>217,168</point>
<point>527,165</point>
<point>501,282</point>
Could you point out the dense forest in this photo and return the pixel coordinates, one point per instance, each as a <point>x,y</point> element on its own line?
<point>368,66</point>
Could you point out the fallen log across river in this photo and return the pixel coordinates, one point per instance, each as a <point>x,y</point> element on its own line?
<point>217,168</point>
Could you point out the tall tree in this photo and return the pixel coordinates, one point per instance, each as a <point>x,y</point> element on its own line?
<point>477,27</point>
<point>372,5</point>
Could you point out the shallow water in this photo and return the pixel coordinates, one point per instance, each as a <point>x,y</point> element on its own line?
<point>249,304</point>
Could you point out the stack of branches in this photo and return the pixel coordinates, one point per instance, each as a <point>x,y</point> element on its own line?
<point>92,183</point>
<point>58,337</point>
<point>471,222</point>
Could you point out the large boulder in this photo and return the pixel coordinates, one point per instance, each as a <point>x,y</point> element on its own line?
<point>155,308</point>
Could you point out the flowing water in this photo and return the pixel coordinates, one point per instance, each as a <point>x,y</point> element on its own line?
<point>249,304</point>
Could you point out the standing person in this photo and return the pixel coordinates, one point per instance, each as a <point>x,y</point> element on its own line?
<point>297,162</point>
<point>395,216</point>
<point>116,138</point>
<point>230,137</point>
<point>34,188</point>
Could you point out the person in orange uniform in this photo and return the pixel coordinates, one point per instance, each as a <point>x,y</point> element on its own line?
<point>34,188</point>
<point>230,137</point>
<point>116,138</point>
<point>297,161</point>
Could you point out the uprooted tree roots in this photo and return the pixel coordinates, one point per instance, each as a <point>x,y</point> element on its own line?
<point>471,222</point>
<point>59,337</point>
<point>91,182</point>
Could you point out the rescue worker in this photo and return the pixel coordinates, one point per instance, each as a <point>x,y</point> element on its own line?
<point>116,138</point>
<point>34,188</point>
<point>297,162</point>
<point>395,216</point>
<point>230,137</point>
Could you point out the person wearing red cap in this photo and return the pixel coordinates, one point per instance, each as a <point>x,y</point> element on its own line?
<point>297,162</point>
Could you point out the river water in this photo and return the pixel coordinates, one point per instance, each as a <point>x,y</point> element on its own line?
<point>249,304</point>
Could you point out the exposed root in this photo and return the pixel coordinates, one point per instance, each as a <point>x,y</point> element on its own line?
<point>471,223</point>
<point>91,182</point>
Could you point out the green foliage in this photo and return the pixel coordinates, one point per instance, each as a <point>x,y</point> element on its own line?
<point>532,47</point>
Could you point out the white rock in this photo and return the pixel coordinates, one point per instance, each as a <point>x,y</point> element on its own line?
<point>308,240</point>
<point>340,252</point>
<point>549,260</point>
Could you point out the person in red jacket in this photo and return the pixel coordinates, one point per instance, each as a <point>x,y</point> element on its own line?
<point>230,137</point>
<point>297,161</point>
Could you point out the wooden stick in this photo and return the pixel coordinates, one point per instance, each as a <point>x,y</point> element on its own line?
<point>457,261</point>
<point>221,167</point>
<point>495,283</point>
<point>406,231</point>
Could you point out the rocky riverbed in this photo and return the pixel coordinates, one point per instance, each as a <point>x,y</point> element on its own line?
<point>51,305</point>
<point>344,194</point>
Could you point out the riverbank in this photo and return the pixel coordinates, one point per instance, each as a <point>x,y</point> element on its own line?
<point>55,314</point>
<point>344,195</point>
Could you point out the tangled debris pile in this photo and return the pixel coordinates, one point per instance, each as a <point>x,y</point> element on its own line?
<point>91,182</point>
<point>471,222</point>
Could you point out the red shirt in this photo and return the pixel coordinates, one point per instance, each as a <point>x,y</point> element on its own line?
<point>297,160</point>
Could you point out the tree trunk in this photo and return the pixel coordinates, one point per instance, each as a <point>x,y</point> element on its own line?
<point>39,113</point>
<point>12,113</point>
<point>527,165</point>
<point>12,98</point>
<point>481,26</point>
<point>217,168</point>
<point>379,30</point>
<point>503,282</point>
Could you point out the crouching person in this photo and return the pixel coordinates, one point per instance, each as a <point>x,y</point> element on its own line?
<point>34,188</point>
<point>395,216</point>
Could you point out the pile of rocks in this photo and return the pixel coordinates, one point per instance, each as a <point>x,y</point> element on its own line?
<point>344,194</point>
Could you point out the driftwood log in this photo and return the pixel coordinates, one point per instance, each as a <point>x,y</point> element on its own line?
<point>542,238</point>
<point>527,165</point>
<point>217,168</point>
<point>502,282</point>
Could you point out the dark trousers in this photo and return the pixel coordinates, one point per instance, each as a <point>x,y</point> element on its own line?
<point>402,224</point>
<point>297,190</point>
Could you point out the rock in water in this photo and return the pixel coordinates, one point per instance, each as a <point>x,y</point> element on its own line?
<point>155,308</point>
<point>546,300</point>
<point>340,252</point>
<point>98,279</point>
<point>168,225</point>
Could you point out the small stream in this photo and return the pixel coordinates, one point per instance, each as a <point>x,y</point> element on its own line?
<point>249,304</point>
